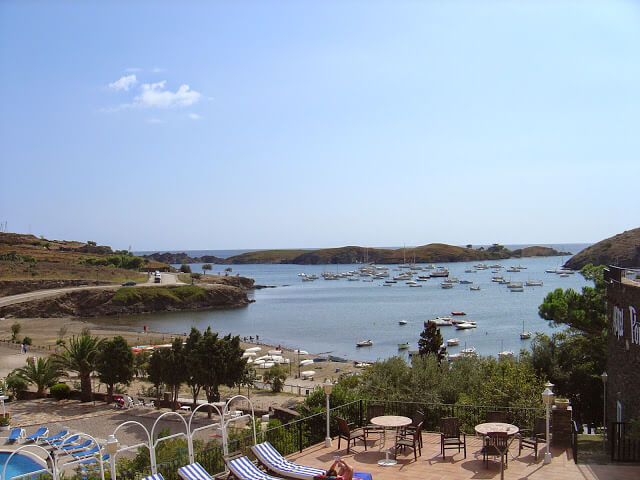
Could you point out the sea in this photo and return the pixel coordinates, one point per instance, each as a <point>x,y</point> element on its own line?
<point>329,317</point>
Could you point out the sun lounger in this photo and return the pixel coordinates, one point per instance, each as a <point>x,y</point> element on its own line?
<point>75,446</point>
<point>88,461</point>
<point>16,435</point>
<point>243,469</point>
<point>157,476</point>
<point>271,459</point>
<point>86,453</point>
<point>193,471</point>
<point>61,434</point>
<point>40,433</point>
<point>64,441</point>
<point>276,463</point>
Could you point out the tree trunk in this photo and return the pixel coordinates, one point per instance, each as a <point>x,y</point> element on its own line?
<point>109,393</point>
<point>85,388</point>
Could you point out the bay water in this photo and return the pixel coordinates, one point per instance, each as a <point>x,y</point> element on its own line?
<point>331,316</point>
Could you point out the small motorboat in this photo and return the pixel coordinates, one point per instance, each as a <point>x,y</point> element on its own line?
<point>452,342</point>
<point>364,343</point>
<point>525,335</point>
<point>506,354</point>
<point>403,346</point>
<point>466,325</point>
<point>442,321</point>
<point>475,289</point>
<point>458,313</point>
<point>402,322</point>
<point>446,285</point>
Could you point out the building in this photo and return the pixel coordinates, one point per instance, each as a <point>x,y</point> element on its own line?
<point>623,364</point>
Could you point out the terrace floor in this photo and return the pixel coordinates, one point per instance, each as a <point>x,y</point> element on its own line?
<point>431,466</point>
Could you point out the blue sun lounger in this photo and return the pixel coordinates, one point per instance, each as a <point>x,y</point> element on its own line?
<point>64,441</point>
<point>277,464</point>
<point>193,471</point>
<point>244,469</point>
<point>61,434</point>
<point>105,457</point>
<point>16,435</point>
<point>40,433</point>
<point>86,453</point>
<point>75,446</point>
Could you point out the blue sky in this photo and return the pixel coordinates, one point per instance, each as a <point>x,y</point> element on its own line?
<point>212,125</point>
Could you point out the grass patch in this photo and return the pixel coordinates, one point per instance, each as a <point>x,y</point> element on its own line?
<point>184,277</point>
<point>172,295</point>
<point>590,449</point>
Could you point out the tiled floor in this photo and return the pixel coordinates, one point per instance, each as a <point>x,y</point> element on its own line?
<point>431,466</point>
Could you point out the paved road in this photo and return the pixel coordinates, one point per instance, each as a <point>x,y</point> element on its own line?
<point>167,279</point>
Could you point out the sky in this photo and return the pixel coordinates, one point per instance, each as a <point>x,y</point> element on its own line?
<point>283,124</point>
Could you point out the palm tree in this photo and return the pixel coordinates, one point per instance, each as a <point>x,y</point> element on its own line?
<point>43,373</point>
<point>80,356</point>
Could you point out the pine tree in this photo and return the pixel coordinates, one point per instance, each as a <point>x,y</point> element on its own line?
<point>431,341</point>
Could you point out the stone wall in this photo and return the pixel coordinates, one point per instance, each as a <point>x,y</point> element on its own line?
<point>623,364</point>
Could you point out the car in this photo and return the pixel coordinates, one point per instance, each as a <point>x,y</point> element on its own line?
<point>130,283</point>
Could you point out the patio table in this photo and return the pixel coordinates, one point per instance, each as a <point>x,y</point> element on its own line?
<point>389,421</point>
<point>485,428</point>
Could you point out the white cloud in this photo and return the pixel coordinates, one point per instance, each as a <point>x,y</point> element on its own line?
<point>194,116</point>
<point>155,95</point>
<point>124,83</point>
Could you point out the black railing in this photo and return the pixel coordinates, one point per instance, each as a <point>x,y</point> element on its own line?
<point>624,448</point>
<point>574,440</point>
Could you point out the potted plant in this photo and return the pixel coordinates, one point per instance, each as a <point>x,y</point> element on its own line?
<point>562,403</point>
<point>4,422</point>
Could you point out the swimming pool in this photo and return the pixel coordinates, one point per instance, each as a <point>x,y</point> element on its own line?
<point>19,465</point>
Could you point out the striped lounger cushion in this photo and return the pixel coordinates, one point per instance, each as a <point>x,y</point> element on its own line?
<point>245,470</point>
<point>275,462</point>
<point>194,471</point>
<point>157,476</point>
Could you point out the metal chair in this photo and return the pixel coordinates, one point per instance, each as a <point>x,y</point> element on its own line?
<point>531,439</point>
<point>451,436</point>
<point>345,431</point>
<point>497,445</point>
<point>372,412</point>
<point>414,440</point>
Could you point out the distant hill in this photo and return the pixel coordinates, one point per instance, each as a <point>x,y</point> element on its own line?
<point>432,253</point>
<point>180,258</point>
<point>622,250</point>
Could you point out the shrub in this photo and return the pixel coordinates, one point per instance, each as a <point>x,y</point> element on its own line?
<point>16,386</point>
<point>60,391</point>
<point>184,268</point>
<point>27,341</point>
<point>4,421</point>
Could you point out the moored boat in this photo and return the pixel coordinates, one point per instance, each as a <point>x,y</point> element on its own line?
<point>452,342</point>
<point>364,343</point>
<point>402,322</point>
<point>403,346</point>
<point>458,313</point>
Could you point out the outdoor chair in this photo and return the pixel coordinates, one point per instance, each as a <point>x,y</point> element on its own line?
<point>72,447</point>
<point>451,436</point>
<point>243,469</point>
<point>63,441</point>
<point>531,439</point>
<point>37,435</point>
<point>194,471</point>
<point>58,436</point>
<point>372,412</point>
<point>497,445</point>
<point>16,435</point>
<point>416,419</point>
<point>496,417</point>
<point>412,440</point>
<point>86,453</point>
<point>345,431</point>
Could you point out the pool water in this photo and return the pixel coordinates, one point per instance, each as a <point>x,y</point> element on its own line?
<point>20,464</point>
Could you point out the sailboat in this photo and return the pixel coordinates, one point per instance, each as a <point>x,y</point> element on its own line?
<point>524,335</point>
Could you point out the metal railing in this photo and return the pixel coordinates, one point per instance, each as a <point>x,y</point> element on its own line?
<point>624,448</point>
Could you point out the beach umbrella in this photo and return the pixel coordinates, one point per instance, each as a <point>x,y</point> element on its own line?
<point>308,373</point>
<point>306,362</point>
<point>275,352</point>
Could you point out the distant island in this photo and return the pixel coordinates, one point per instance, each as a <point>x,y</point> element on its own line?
<point>622,250</point>
<point>431,253</point>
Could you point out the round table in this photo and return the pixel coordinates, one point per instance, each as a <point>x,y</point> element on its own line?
<point>485,428</point>
<point>389,421</point>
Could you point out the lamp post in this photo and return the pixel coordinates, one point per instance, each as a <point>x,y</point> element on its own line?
<point>328,386</point>
<point>547,398</point>
<point>604,377</point>
<point>112,448</point>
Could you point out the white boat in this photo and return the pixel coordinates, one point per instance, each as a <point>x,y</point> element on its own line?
<point>506,354</point>
<point>364,343</point>
<point>469,352</point>
<point>248,354</point>
<point>275,352</point>
<point>452,342</point>
<point>301,352</point>
<point>442,321</point>
<point>475,288</point>
<point>524,335</point>
<point>307,373</point>
<point>415,285</point>
<point>402,322</point>
<point>446,285</point>
<point>354,279</point>
<point>514,285</point>
<point>387,285</point>
<point>465,282</point>
<point>412,282</point>
<point>466,326</point>
<point>253,349</point>
<point>306,362</point>
<point>516,289</point>
<point>534,283</point>
<point>403,346</point>
<point>469,270</point>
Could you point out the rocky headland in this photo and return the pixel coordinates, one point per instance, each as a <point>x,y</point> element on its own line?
<point>622,250</point>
